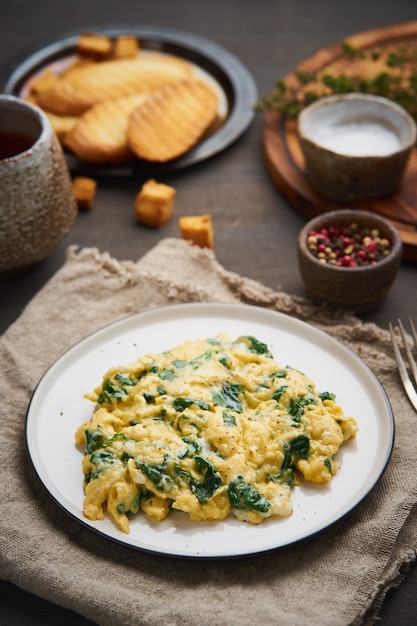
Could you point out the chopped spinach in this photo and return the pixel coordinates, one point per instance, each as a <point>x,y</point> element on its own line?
<point>94,439</point>
<point>228,396</point>
<point>102,459</point>
<point>194,363</point>
<point>117,436</point>
<point>131,507</point>
<point>202,489</point>
<point>193,447</point>
<point>224,361</point>
<point>300,446</point>
<point>212,480</point>
<point>286,474</point>
<point>328,465</point>
<point>156,474</point>
<point>244,496</point>
<point>297,407</point>
<point>111,393</point>
<point>180,364</point>
<point>166,374</point>
<point>229,419</point>
<point>287,477</point>
<point>126,380</point>
<point>280,374</point>
<point>287,461</point>
<point>254,345</point>
<point>279,392</point>
<point>327,395</point>
<point>182,403</point>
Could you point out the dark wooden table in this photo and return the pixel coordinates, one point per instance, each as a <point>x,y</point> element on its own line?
<point>255,226</point>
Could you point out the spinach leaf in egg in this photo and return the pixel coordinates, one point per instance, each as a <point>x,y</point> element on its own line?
<point>102,459</point>
<point>228,396</point>
<point>327,395</point>
<point>245,496</point>
<point>300,446</point>
<point>229,419</point>
<point>156,474</point>
<point>297,407</point>
<point>182,403</point>
<point>254,345</point>
<point>279,392</point>
<point>94,439</point>
<point>203,490</point>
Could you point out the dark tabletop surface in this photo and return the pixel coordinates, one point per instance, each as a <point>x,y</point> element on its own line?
<point>255,225</point>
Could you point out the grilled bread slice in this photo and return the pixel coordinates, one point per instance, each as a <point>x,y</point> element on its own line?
<point>172,120</point>
<point>82,87</point>
<point>100,135</point>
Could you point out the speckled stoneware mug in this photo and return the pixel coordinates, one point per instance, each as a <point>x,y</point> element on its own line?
<point>37,204</point>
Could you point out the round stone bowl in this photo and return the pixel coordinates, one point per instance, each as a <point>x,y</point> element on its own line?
<point>360,289</point>
<point>355,146</point>
<point>37,203</point>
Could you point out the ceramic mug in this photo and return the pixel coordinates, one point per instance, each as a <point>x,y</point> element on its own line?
<point>37,203</point>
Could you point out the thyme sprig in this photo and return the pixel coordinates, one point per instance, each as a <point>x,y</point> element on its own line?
<point>397,81</point>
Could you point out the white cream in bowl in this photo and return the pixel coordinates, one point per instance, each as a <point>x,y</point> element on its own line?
<point>359,138</point>
<point>355,145</point>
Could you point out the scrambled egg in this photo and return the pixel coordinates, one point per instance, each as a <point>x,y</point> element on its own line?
<point>212,427</point>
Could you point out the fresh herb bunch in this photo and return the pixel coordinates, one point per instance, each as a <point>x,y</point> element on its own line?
<point>397,81</point>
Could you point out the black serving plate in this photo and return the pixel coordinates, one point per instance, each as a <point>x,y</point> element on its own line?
<point>235,84</point>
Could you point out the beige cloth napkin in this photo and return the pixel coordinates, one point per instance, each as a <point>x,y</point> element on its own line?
<point>335,578</point>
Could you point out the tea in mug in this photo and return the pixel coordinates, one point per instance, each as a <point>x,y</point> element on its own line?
<point>12,144</point>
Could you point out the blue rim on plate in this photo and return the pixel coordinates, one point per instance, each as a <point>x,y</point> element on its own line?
<point>233,78</point>
<point>58,407</point>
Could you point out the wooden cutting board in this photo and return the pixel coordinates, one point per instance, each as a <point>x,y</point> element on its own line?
<point>285,162</point>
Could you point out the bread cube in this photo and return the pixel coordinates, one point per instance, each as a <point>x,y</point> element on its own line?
<point>198,229</point>
<point>84,191</point>
<point>154,203</point>
<point>125,47</point>
<point>94,46</point>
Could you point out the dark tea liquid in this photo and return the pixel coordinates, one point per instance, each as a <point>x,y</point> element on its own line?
<point>14,143</point>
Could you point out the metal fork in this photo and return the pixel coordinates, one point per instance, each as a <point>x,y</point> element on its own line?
<point>409,386</point>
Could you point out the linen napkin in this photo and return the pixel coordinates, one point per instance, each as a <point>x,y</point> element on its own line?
<point>338,577</point>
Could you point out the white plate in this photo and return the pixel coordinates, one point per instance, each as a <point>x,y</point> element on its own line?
<point>58,407</point>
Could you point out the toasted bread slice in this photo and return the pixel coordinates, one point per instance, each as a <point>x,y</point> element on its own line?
<point>62,124</point>
<point>172,120</point>
<point>84,86</point>
<point>43,82</point>
<point>100,135</point>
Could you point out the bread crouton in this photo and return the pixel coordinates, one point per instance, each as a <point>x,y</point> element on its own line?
<point>198,229</point>
<point>84,191</point>
<point>94,46</point>
<point>125,47</point>
<point>154,203</point>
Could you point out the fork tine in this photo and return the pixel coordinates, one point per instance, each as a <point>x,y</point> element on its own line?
<point>405,379</point>
<point>413,331</point>
<point>410,357</point>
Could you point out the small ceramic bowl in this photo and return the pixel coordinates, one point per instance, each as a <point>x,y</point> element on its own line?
<point>357,289</point>
<point>356,146</point>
